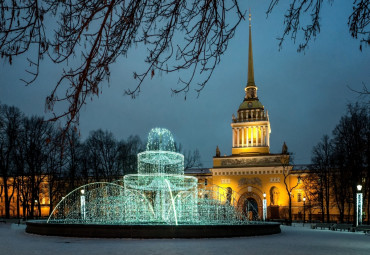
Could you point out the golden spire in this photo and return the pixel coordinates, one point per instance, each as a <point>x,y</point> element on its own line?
<point>250,56</point>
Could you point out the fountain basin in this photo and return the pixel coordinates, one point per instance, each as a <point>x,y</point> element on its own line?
<point>40,227</point>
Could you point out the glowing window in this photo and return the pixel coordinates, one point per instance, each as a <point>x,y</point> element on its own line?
<point>299,197</point>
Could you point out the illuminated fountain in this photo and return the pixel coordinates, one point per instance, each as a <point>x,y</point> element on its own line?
<point>159,201</point>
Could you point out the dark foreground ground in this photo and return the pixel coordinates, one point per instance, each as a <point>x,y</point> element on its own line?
<point>293,240</point>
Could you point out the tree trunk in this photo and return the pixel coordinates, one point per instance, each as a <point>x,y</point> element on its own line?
<point>322,207</point>
<point>354,196</point>
<point>368,211</point>
<point>349,213</point>
<point>341,213</point>
<point>18,207</point>
<point>24,205</point>
<point>290,210</point>
<point>327,206</point>
<point>6,198</point>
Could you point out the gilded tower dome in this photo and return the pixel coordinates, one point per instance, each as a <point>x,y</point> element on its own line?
<point>251,127</point>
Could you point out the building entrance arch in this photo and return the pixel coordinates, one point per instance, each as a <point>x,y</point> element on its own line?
<point>251,208</point>
<point>251,205</point>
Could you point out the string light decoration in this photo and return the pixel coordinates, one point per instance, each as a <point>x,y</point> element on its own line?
<point>158,194</point>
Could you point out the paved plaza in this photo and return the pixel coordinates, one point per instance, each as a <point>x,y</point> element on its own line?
<point>293,240</point>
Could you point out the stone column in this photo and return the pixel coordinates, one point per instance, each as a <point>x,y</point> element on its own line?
<point>266,134</point>
<point>233,137</point>
<point>261,128</point>
<point>237,141</point>
<point>247,136</point>
<point>242,137</point>
<point>252,129</point>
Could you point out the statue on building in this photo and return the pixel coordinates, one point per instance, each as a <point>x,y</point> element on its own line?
<point>274,196</point>
<point>218,153</point>
<point>284,150</point>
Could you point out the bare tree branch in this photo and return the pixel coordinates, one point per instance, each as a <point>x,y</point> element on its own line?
<point>89,36</point>
<point>358,21</point>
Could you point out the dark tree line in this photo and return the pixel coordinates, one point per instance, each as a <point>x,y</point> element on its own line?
<point>340,163</point>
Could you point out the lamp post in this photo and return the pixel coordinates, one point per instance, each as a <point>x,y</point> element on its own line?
<point>264,206</point>
<point>304,210</point>
<point>37,208</point>
<point>359,205</point>
<point>83,208</point>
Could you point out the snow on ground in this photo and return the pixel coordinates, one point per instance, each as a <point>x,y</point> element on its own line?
<point>295,240</point>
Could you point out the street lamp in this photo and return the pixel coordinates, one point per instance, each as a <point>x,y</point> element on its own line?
<point>359,205</point>
<point>83,208</point>
<point>37,208</point>
<point>304,210</point>
<point>264,207</point>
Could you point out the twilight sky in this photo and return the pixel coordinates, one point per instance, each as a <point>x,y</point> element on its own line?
<point>304,93</point>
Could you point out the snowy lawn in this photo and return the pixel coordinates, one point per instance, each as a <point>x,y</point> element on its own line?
<point>293,240</point>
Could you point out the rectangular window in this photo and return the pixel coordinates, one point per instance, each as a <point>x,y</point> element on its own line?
<point>299,197</point>
<point>275,179</point>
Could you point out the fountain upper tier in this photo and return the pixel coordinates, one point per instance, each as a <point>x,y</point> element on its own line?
<point>160,156</point>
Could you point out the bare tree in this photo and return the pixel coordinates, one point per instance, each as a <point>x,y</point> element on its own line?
<point>10,123</point>
<point>340,184</point>
<point>98,32</point>
<point>364,92</point>
<point>192,159</point>
<point>35,139</point>
<point>286,163</point>
<point>358,21</point>
<point>127,154</point>
<point>310,182</point>
<point>103,153</point>
<point>73,156</point>
<point>322,167</point>
<point>351,136</point>
<point>54,165</point>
